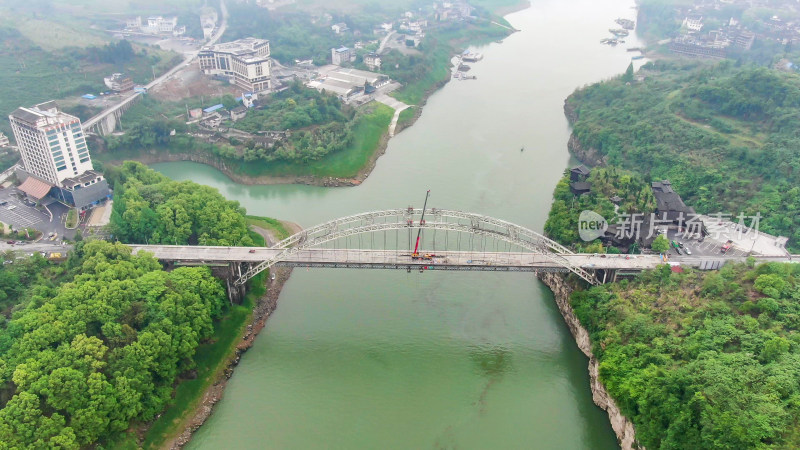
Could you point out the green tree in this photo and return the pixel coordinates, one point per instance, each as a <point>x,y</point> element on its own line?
<point>660,244</point>
<point>627,77</point>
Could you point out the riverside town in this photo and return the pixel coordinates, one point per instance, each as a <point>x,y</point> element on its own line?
<point>581,220</point>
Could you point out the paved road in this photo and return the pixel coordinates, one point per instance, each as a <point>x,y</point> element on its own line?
<point>186,61</point>
<point>31,247</point>
<point>384,41</point>
<point>395,104</point>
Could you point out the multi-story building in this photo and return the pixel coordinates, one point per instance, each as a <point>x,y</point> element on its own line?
<point>55,158</point>
<point>4,142</point>
<point>156,25</point>
<point>245,62</point>
<point>372,61</point>
<point>51,142</point>
<point>119,82</point>
<point>342,55</point>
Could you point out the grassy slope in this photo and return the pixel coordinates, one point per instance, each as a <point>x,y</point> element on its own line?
<point>269,224</point>
<point>345,164</point>
<point>29,74</point>
<point>371,127</point>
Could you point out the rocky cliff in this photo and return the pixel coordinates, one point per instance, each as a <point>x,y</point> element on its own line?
<point>626,435</point>
<point>586,155</point>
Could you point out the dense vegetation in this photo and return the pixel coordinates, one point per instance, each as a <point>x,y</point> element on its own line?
<point>151,208</point>
<point>31,74</point>
<point>318,125</point>
<point>702,360</point>
<point>81,360</point>
<point>293,34</point>
<point>562,222</point>
<point>296,107</point>
<point>726,136</point>
<point>323,126</point>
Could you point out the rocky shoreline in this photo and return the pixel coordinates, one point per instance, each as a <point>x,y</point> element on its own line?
<point>266,305</point>
<point>623,428</point>
<point>589,156</point>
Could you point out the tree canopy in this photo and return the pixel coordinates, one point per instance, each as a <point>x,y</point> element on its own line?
<point>151,208</point>
<point>725,136</point>
<point>702,360</point>
<point>81,361</point>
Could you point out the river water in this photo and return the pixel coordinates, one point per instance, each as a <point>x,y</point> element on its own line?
<point>384,359</point>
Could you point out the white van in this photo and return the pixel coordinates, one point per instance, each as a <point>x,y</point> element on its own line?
<point>12,207</point>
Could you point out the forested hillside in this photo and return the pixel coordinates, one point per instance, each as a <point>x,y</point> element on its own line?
<point>81,360</point>
<point>151,208</point>
<point>726,136</point>
<point>702,360</point>
<point>562,221</point>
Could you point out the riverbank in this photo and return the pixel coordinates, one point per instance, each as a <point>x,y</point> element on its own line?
<point>262,311</point>
<point>623,428</point>
<point>201,389</point>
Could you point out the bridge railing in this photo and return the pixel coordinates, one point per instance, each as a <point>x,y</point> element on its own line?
<point>410,219</point>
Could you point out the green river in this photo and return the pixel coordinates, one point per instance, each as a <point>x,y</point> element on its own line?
<point>384,359</point>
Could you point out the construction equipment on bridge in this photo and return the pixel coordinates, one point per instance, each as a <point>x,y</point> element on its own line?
<point>455,241</point>
<point>415,255</point>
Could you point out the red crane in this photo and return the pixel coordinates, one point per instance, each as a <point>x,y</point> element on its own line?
<point>421,224</point>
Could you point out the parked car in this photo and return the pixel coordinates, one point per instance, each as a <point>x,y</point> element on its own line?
<point>686,249</point>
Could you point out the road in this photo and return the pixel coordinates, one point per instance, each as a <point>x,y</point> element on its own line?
<point>31,247</point>
<point>395,104</point>
<point>186,61</point>
<point>384,41</point>
<point>207,254</point>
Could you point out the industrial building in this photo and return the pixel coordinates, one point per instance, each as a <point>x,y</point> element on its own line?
<point>55,157</point>
<point>348,82</point>
<point>246,63</point>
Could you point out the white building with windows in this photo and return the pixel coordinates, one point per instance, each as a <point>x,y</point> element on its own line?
<point>245,62</point>
<point>55,157</point>
<point>51,142</point>
<point>342,55</point>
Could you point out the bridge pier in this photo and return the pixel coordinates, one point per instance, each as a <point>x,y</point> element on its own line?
<point>230,273</point>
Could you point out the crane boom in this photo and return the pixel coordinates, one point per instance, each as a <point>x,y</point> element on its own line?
<point>421,223</point>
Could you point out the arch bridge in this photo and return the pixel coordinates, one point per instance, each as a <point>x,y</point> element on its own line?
<point>450,240</point>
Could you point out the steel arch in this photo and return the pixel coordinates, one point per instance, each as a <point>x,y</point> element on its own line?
<point>397,219</point>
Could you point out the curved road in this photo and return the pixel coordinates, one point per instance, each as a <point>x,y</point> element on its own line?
<point>186,61</point>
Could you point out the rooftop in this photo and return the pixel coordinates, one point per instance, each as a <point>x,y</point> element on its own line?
<point>81,179</point>
<point>46,113</point>
<point>581,169</point>
<point>667,199</point>
<point>239,46</point>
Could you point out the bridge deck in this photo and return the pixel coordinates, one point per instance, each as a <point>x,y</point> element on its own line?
<point>322,257</point>
<point>333,257</point>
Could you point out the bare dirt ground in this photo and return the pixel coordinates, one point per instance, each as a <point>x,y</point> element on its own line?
<point>192,83</point>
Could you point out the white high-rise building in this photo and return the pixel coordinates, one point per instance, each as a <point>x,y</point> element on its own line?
<point>51,142</point>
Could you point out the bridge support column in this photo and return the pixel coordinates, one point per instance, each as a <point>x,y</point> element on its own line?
<point>230,274</point>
